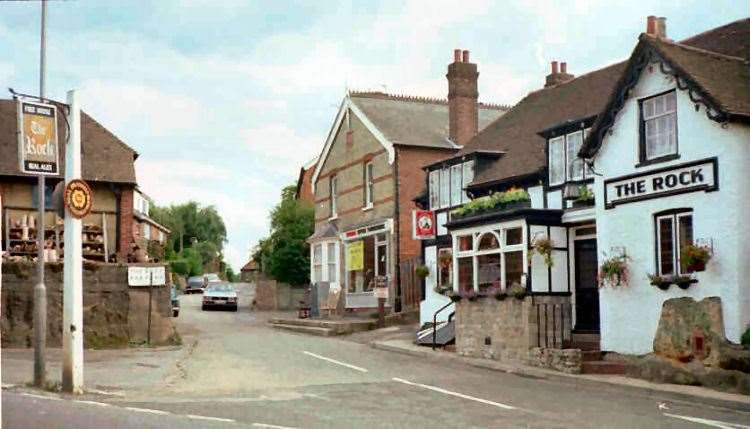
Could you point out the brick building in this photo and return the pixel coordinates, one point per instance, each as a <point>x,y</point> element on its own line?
<point>370,172</point>
<point>304,184</point>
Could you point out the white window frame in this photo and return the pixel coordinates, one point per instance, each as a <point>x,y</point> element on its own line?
<point>456,184</point>
<point>568,162</point>
<point>499,230</point>
<point>467,177</point>
<point>434,184</point>
<point>445,187</point>
<point>645,120</point>
<point>674,219</point>
<point>325,261</point>
<point>332,192</point>
<point>561,141</point>
<point>369,184</point>
<point>316,262</point>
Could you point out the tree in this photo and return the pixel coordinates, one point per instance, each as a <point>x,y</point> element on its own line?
<point>285,254</point>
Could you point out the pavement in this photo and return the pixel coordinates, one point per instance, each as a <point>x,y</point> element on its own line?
<point>233,370</point>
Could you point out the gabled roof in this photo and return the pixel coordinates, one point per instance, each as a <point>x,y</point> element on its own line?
<point>720,82</point>
<point>516,132</point>
<point>402,120</point>
<point>251,265</point>
<point>105,158</point>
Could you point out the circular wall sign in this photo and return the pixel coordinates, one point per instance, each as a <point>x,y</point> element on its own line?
<point>78,198</point>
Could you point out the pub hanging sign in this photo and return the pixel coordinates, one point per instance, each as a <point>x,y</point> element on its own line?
<point>37,138</point>
<point>695,176</point>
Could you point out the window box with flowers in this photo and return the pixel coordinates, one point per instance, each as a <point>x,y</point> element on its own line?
<point>510,199</point>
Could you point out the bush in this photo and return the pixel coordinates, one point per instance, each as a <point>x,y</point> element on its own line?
<point>746,338</point>
<point>180,266</point>
<point>194,260</point>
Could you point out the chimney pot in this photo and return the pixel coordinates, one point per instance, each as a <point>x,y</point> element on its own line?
<point>651,25</point>
<point>466,56</point>
<point>554,67</point>
<point>456,55</point>
<point>661,27</point>
<point>563,67</point>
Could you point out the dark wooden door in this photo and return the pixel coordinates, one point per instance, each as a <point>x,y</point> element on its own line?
<point>587,290</point>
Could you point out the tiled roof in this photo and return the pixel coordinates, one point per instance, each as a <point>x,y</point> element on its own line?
<point>516,132</point>
<point>415,121</point>
<point>105,158</point>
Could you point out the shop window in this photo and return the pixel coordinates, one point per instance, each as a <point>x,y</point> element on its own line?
<point>369,184</point>
<point>317,263</point>
<point>513,236</point>
<point>333,193</point>
<point>488,241</point>
<point>445,267</point>
<point>465,243</point>
<point>374,263</point>
<point>434,189</point>
<point>489,273</point>
<point>513,268</point>
<point>332,271</point>
<point>658,126</point>
<point>673,232</point>
<point>465,273</point>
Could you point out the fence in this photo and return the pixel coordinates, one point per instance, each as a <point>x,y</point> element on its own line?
<point>554,322</point>
<point>411,285</point>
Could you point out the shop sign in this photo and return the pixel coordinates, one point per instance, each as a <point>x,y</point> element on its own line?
<point>146,276</point>
<point>423,224</point>
<point>78,198</point>
<point>37,138</point>
<point>355,256</point>
<point>700,175</point>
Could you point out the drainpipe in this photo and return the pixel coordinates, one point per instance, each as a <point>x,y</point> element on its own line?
<point>397,300</point>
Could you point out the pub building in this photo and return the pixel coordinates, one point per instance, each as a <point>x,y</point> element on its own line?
<point>367,177</point>
<point>542,220</point>
<point>108,168</point>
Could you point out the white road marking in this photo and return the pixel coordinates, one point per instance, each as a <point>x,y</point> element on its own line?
<point>148,410</point>
<point>264,425</point>
<point>356,368</point>
<point>460,395</point>
<point>215,419</point>
<point>31,395</point>
<point>707,422</point>
<point>101,404</point>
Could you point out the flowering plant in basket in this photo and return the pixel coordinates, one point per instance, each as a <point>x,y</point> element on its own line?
<point>543,246</point>
<point>694,257</point>
<point>614,271</point>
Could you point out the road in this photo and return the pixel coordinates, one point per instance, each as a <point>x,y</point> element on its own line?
<point>235,371</point>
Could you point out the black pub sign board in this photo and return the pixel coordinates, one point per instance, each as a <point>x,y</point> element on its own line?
<point>694,176</point>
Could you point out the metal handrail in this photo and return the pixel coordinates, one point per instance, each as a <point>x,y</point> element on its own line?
<point>434,323</point>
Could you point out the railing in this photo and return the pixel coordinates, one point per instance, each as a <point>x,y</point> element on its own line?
<point>554,323</point>
<point>434,322</point>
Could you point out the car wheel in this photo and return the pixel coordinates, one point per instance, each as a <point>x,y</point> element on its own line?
<point>234,308</point>
<point>175,313</point>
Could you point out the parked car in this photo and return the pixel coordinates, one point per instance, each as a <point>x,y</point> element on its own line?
<point>220,295</point>
<point>175,302</point>
<point>199,283</point>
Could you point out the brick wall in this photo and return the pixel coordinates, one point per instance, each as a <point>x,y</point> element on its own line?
<point>462,99</point>
<point>125,222</point>
<point>412,182</point>
<point>305,192</point>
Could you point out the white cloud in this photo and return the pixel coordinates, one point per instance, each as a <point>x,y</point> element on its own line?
<point>279,142</point>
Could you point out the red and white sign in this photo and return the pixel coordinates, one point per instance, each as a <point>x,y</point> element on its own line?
<point>423,224</point>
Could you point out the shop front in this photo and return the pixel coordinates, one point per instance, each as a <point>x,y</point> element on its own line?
<point>368,262</point>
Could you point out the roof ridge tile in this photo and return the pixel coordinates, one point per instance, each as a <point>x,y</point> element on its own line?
<point>418,99</point>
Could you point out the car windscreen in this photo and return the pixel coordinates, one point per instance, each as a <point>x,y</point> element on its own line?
<point>221,288</point>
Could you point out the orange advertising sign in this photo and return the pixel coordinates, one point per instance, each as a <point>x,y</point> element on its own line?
<point>37,144</point>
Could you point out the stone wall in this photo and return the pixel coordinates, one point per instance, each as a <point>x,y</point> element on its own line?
<point>113,313</point>
<point>501,330</point>
<point>271,295</point>
<point>569,361</point>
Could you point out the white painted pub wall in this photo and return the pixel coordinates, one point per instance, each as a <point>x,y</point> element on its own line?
<point>630,315</point>
<point>432,301</point>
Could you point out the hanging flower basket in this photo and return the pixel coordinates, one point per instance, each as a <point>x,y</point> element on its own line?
<point>694,257</point>
<point>543,246</point>
<point>614,271</point>
<point>518,292</point>
<point>422,271</point>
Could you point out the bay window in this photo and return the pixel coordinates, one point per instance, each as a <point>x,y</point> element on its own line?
<point>493,258</point>
<point>574,165</point>
<point>674,231</point>
<point>317,263</point>
<point>658,126</point>
<point>333,272</point>
<point>564,163</point>
<point>446,185</point>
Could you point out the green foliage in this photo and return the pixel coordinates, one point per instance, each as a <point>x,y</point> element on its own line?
<point>230,275</point>
<point>180,266</point>
<point>517,291</point>
<point>194,260</point>
<point>284,254</point>
<point>614,271</point>
<point>498,200</point>
<point>692,255</point>
<point>422,271</point>
<point>585,194</point>
<point>543,246</point>
<point>745,340</point>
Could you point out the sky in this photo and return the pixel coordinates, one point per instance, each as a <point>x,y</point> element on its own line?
<point>226,100</point>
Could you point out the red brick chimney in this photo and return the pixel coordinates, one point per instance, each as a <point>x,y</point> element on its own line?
<point>656,26</point>
<point>462,98</point>
<point>558,76</point>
